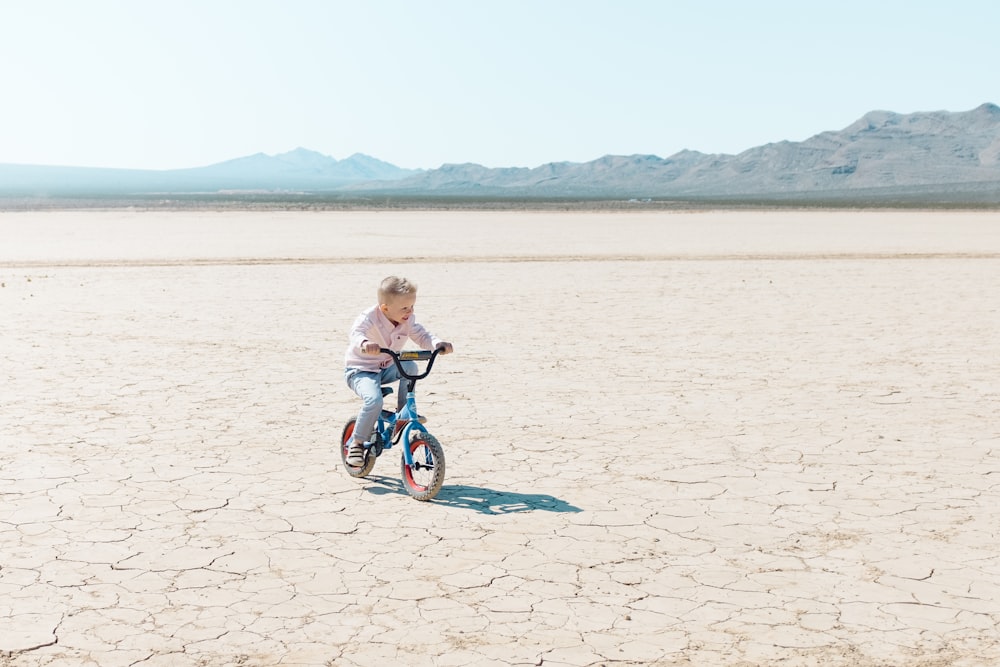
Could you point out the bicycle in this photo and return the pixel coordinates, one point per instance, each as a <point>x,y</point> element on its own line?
<point>422,463</point>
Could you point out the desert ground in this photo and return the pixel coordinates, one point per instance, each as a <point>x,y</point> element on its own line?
<point>703,438</point>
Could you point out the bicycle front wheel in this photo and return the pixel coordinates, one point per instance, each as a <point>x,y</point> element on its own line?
<point>424,478</point>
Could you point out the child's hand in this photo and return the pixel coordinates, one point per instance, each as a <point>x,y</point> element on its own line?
<point>446,348</point>
<point>368,347</point>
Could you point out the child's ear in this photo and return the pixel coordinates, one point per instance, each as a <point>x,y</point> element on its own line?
<point>384,308</point>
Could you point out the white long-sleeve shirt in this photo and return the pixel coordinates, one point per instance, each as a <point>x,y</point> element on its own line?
<point>372,325</point>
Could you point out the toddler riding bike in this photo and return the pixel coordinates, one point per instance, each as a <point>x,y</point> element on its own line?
<point>422,462</point>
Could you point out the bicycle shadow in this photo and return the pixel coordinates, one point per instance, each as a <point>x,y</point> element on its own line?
<point>480,499</point>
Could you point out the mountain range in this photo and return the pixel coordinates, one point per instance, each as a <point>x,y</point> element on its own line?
<point>298,170</point>
<point>941,154</point>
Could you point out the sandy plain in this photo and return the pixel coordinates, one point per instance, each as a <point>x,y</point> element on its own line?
<point>712,438</point>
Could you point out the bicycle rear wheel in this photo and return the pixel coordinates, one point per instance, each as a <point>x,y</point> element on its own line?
<point>345,440</point>
<point>424,478</point>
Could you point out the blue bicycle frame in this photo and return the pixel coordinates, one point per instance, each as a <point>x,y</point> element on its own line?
<point>387,420</point>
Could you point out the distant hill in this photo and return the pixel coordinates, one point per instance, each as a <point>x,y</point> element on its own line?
<point>297,170</point>
<point>883,152</point>
<point>938,156</point>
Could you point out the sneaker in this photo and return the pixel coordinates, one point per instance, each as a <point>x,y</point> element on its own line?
<point>401,424</point>
<point>355,454</point>
<point>420,418</point>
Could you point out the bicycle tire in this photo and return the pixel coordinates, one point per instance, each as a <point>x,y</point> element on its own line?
<point>345,439</point>
<point>424,480</point>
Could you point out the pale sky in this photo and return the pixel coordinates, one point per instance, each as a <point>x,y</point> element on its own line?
<point>503,83</point>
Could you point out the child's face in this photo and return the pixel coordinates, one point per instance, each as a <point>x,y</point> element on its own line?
<point>400,308</point>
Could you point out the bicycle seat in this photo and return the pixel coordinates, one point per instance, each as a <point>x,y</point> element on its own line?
<point>386,391</point>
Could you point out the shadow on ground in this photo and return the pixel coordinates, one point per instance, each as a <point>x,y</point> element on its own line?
<point>482,500</point>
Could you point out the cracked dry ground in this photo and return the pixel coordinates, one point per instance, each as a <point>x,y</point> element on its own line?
<point>649,463</point>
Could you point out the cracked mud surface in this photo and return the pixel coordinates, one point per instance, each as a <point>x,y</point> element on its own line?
<point>710,461</point>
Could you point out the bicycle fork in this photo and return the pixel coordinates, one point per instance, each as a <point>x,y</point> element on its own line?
<point>409,412</point>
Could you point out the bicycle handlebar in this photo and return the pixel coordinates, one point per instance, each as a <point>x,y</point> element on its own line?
<point>412,355</point>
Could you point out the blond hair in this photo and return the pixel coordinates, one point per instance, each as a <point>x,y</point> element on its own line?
<point>392,287</point>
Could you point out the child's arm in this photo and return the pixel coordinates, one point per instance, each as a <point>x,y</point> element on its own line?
<point>425,339</point>
<point>359,336</point>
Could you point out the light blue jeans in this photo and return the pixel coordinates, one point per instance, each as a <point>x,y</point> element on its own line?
<point>368,385</point>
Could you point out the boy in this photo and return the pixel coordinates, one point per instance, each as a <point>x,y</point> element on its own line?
<point>389,323</point>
